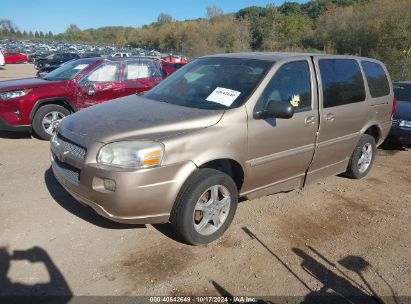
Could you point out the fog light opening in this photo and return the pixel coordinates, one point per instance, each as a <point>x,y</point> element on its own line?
<point>17,112</point>
<point>110,185</point>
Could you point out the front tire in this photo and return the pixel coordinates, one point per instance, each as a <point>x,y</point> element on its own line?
<point>205,206</point>
<point>362,158</point>
<point>46,120</point>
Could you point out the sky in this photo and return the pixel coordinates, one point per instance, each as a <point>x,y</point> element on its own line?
<point>57,15</point>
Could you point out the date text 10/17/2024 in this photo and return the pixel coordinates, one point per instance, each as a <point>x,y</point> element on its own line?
<point>201,299</point>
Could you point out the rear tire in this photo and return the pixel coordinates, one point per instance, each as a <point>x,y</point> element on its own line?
<point>46,120</point>
<point>362,158</point>
<point>205,206</point>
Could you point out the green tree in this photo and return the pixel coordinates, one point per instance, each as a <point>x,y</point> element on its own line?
<point>288,8</point>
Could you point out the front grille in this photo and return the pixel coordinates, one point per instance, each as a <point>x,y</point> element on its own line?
<point>72,148</point>
<point>68,172</point>
<point>395,122</point>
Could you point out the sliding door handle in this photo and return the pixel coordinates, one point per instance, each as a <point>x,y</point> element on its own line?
<point>329,117</point>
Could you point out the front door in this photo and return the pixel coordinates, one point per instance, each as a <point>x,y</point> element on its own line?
<point>100,85</point>
<point>280,150</point>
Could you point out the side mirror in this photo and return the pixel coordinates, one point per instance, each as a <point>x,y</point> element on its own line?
<point>276,109</point>
<point>91,91</point>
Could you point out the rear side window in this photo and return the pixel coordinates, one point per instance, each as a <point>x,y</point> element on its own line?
<point>142,69</point>
<point>342,82</point>
<point>376,78</point>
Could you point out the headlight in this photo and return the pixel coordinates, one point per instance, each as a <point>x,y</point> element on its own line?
<point>131,154</point>
<point>14,94</point>
<point>405,123</point>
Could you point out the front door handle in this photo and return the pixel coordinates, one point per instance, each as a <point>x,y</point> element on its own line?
<point>91,90</point>
<point>329,117</point>
<point>309,120</point>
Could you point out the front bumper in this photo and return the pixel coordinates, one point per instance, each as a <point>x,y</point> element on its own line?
<point>5,126</point>
<point>141,196</point>
<point>402,135</point>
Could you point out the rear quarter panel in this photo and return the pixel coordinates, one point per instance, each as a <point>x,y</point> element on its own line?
<point>380,108</point>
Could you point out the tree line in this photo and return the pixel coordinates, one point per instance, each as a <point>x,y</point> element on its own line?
<point>9,30</point>
<point>374,28</point>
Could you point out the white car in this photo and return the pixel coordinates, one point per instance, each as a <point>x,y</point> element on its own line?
<point>121,55</point>
<point>1,58</point>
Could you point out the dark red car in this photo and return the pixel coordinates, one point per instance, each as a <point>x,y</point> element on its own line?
<point>170,67</point>
<point>40,104</point>
<point>14,57</point>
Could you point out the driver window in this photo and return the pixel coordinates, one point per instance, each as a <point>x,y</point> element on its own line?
<point>105,73</point>
<point>291,83</point>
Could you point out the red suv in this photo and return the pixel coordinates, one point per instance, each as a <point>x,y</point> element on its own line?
<point>40,104</point>
<point>14,57</point>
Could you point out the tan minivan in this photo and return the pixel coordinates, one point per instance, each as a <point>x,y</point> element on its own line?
<point>223,127</point>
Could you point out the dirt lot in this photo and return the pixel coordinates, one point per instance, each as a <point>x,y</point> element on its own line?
<point>350,237</point>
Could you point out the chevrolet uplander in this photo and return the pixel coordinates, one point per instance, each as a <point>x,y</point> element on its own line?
<point>220,128</point>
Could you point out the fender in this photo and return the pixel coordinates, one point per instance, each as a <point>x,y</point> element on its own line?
<point>64,100</point>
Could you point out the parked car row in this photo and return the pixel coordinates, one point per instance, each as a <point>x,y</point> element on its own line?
<point>47,47</point>
<point>39,49</point>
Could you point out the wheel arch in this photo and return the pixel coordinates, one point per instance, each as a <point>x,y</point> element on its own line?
<point>60,101</point>
<point>228,166</point>
<point>375,131</point>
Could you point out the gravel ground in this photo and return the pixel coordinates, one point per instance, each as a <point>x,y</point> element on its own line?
<point>339,236</point>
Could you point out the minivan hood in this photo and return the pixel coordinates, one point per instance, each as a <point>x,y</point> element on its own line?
<point>25,83</point>
<point>134,117</point>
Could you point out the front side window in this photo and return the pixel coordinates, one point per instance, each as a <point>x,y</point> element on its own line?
<point>105,73</point>
<point>376,78</point>
<point>291,83</point>
<point>142,69</point>
<point>212,83</point>
<point>342,82</point>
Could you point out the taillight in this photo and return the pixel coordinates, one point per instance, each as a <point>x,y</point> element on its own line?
<point>394,105</point>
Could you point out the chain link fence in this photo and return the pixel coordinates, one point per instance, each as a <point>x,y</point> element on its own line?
<point>399,71</point>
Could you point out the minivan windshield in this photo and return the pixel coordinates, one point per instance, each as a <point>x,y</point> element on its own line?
<point>402,93</point>
<point>212,83</point>
<point>69,70</point>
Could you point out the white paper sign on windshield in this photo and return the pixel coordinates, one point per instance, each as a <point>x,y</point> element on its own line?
<point>223,96</point>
